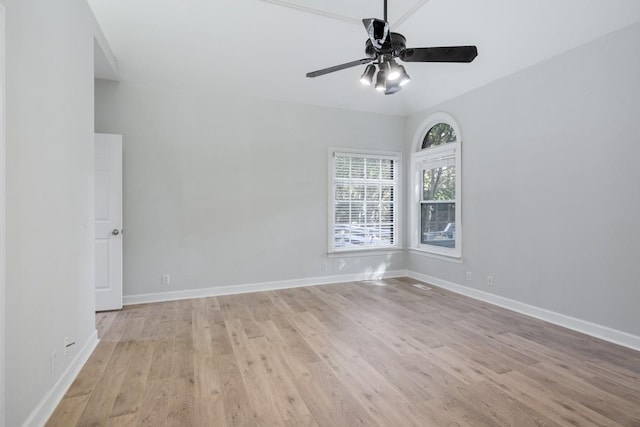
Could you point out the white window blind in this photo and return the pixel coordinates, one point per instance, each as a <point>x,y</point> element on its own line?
<point>444,160</point>
<point>364,191</point>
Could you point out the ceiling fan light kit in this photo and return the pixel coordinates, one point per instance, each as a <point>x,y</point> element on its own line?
<point>392,87</point>
<point>393,72</point>
<point>367,76</point>
<point>404,77</point>
<point>381,81</point>
<point>383,47</point>
<point>390,77</point>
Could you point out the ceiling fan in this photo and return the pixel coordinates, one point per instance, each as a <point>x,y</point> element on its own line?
<point>383,48</point>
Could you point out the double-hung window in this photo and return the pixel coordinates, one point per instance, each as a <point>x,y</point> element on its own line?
<point>436,214</point>
<point>364,200</point>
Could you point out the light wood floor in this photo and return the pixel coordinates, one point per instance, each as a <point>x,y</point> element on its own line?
<point>354,354</point>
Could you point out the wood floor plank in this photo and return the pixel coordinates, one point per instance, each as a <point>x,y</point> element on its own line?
<point>292,408</point>
<point>208,403</point>
<point>617,373</point>
<point>104,320</point>
<point>504,409</point>
<point>384,361</point>
<point>126,420</point>
<point>253,375</point>
<point>464,369</point>
<point>237,409</point>
<point>92,371</point>
<point>330,402</point>
<point>68,411</point>
<point>281,328</point>
<point>162,357</point>
<point>279,304</point>
<point>133,385</point>
<point>180,411</point>
<point>367,386</point>
<point>623,412</point>
<point>233,307</point>
<point>374,353</point>
<point>100,404</point>
<point>294,351</point>
<point>154,403</point>
<point>452,412</point>
<point>561,409</point>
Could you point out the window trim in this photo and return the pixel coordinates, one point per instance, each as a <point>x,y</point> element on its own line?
<point>397,157</point>
<point>417,157</point>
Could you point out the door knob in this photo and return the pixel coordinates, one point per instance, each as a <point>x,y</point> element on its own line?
<point>115,232</point>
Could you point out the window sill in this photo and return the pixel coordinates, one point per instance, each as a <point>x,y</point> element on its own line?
<point>364,252</point>
<point>443,257</point>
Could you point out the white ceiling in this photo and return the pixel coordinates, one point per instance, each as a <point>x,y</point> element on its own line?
<point>259,48</point>
<point>354,11</point>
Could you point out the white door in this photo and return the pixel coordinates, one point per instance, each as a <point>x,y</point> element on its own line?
<point>108,222</point>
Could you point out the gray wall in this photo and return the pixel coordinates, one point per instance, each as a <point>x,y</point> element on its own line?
<point>226,190</point>
<point>49,275</point>
<point>551,205</point>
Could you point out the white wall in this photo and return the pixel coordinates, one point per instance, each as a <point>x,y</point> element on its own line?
<point>49,194</point>
<point>2,210</point>
<point>224,191</point>
<point>550,191</point>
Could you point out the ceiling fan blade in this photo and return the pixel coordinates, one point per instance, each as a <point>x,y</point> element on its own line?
<point>440,54</point>
<point>339,67</point>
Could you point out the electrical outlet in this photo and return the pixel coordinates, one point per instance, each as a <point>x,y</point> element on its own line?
<point>324,266</point>
<point>67,345</point>
<point>166,279</point>
<point>468,275</point>
<point>490,280</point>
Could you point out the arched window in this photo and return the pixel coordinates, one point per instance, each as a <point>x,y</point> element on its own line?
<point>436,211</point>
<point>439,134</point>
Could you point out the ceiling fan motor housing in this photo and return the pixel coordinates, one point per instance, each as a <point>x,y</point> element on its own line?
<point>394,44</point>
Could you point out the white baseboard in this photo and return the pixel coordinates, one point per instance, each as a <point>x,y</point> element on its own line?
<point>50,401</point>
<point>259,287</point>
<point>608,334</point>
<point>605,333</point>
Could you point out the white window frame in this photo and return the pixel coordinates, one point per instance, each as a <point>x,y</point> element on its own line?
<point>398,203</point>
<point>419,158</point>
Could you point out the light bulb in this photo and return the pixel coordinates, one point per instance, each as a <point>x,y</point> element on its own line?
<point>381,81</point>
<point>393,70</point>
<point>367,76</point>
<point>404,77</point>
